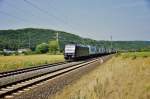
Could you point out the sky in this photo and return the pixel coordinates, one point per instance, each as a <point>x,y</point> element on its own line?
<point>96,19</point>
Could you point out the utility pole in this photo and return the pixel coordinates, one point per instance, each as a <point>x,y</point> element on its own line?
<point>57,39</point>
<point>29,40</point>
<point>111,41</point>
<point>19,41</point>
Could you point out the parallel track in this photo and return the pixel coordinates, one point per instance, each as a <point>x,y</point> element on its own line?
<point>24,70</point>
<point>20,85</point>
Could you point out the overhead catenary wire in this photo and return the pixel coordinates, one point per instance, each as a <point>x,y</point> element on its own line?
<point>19,9</point>
<point>39,9</point>
<point>13,16</point>
<point>56,9</point>
<point>31,14</point>
<point>64,16</point>
<point>46,12</point>
<point>23,11</point>
<point>19,19</point>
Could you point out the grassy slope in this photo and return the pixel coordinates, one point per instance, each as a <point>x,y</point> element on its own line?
<point>119,78</point>
<point>15,62</point>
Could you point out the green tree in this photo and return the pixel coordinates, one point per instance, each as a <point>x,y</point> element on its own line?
<point>145,49</point>
<point>42,48</point>
<point>54,46</point>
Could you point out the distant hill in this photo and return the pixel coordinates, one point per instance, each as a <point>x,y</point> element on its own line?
<point>23,38</point>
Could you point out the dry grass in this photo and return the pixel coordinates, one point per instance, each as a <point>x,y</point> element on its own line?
<point>116,79</point>
<point>16,62</point>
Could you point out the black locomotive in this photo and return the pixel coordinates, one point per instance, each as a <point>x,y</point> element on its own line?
<point>76,51</point>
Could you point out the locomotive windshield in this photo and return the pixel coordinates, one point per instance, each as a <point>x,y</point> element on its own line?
<point>69,48</point>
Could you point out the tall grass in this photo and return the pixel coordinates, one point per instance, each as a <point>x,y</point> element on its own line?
<point>116,79</point>
<point>16,62</point>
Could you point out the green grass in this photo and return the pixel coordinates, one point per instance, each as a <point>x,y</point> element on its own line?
<point>16,62</point>
<point>134,55</point>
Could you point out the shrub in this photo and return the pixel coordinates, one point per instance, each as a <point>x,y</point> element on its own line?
<point>134,57</point>
<point>54,47</point>
<point>42,48</point>
<point>145,56</point>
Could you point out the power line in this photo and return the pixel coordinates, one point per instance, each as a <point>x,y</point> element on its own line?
<point>20,19</point>
<point>18,8</point>
<point>46,12</point>
<point>37,7</point>
<point>56,9</point>
<point>21,10</point>
<point>10,15</point>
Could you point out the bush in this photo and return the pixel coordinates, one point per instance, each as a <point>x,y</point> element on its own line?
<point>133,57</point>
<point>54,47</point>
<point>1,53</point>
<point>42,48</point>
<point>7,54</point>
<point>29,53</point>
<point>145,56</point>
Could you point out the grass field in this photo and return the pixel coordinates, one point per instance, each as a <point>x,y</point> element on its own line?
<point>136,54</point>
<point>118,78</point>
<point>16,62</point>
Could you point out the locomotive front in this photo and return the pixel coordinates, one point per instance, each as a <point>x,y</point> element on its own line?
<point>69,51</point>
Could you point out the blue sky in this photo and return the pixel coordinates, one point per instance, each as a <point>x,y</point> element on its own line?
<point>96,19</point>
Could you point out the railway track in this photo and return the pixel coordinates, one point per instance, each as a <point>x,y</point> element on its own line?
<point>17,86</point>
<point>22,76</point>
<point>24,70</point>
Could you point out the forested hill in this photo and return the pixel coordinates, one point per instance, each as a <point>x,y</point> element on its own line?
<point>30,37</point>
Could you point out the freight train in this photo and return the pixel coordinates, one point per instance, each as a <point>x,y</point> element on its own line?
<point>77,51</point>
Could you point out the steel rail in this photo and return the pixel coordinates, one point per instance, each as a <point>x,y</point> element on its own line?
<point>15,87</point>
<point>19,71</point>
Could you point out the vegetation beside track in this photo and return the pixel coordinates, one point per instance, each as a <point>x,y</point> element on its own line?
<point>135,54</point>
<point>118,78</point>
<point>15,62</point>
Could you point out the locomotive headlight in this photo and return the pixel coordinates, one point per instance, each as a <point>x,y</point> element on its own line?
<point>72,55</point>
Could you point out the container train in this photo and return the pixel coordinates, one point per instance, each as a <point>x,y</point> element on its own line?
<point>76,51</point>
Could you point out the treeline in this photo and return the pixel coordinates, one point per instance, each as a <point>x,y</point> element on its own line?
<point>31,37</point>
